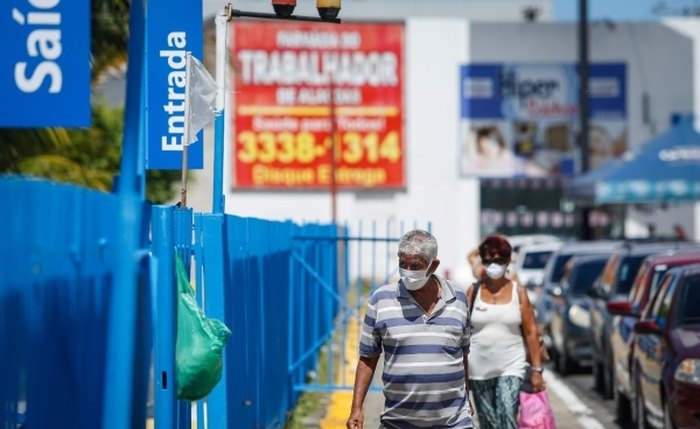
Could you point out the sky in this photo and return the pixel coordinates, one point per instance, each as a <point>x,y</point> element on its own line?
<point>616,10</point>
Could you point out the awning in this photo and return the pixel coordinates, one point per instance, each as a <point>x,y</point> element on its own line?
<point>664,170</point>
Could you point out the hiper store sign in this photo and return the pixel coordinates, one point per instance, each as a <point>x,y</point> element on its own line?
<point>284,76</point>
<point>521,120</point>
<point>174,27</point>
<point>45,63</point>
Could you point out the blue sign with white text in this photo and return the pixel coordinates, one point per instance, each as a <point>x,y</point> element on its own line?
<point>45,63</point>
<point>176,27</point>
<point>532,90</point>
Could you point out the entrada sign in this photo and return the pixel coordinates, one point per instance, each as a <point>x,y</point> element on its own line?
<point>177,29</point>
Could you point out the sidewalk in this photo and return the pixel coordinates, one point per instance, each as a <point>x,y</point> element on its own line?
<point>339,409</point>
<point>568,411</point>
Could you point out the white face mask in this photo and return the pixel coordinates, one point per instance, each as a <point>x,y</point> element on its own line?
<point>495,271</point>
<point>414,280</point>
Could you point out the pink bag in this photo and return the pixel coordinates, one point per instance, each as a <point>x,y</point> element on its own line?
<point>535,411</point>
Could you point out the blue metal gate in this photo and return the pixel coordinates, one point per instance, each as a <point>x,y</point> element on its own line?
<point>326,305</point>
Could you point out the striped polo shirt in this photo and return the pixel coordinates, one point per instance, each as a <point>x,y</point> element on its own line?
<point>424,374</point>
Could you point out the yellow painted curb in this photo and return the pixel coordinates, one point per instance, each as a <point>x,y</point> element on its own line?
<point>339,407</point>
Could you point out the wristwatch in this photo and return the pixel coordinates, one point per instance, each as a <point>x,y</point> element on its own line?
<point>537,369</point>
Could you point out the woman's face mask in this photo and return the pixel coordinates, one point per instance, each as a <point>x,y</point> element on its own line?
<point>414,279</point>
<point>495,271</point>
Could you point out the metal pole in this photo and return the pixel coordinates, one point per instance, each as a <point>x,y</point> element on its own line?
<point>583,87</point>
<point>165,397</point>
<point>261,15</point>
<point>222,22</point>
<point>334,185</point>
<point>586,232</point>
<point>186,131</point>
<point>120,379</point>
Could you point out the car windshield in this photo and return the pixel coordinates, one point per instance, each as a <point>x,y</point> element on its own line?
<point>585,275</point>
<point>690,303</point>
<point>628,269</point>
<point>536,260</point>
<point>557,267</point>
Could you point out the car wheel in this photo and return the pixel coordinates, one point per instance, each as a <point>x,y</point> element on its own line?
<point>563,363</point>
<point>608,375</point>
<point>640,418</point>
<point>668,419</point>
<point>623,408</point>
<point>597,376</point>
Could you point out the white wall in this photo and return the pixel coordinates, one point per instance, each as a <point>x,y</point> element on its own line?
<point>690,28</point>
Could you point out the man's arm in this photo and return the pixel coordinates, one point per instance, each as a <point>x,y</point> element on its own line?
<point>363,379</point>
<point>466,382</point>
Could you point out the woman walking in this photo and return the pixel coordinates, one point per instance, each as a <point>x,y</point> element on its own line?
<point>503,331</point>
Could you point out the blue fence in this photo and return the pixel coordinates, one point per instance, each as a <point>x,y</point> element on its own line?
<point>57,268</point>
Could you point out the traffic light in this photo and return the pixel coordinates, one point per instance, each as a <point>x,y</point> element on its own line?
<point>284,8</point>
<point>328,9</point>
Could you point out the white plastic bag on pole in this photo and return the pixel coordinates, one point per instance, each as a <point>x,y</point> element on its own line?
<point>201,98</point>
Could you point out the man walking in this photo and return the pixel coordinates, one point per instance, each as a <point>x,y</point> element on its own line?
<point>421,323</point>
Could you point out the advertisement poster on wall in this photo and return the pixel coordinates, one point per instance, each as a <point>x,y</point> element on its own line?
<point>521,120</point>
<point>291,79</point>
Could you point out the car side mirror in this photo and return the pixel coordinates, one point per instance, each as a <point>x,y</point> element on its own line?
<point>555,291</point>
<point>647,327</point>
<point>620,308</point>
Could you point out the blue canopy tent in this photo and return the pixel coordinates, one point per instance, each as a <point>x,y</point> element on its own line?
<point>664,170</point>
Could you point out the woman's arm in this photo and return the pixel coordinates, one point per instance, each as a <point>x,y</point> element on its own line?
<point>531,338</point>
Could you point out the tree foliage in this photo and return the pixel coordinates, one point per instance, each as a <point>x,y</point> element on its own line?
<point>88,157</point>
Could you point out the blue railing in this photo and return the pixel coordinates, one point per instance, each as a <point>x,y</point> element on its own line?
<point>59,256</point>
<point>58,249</point>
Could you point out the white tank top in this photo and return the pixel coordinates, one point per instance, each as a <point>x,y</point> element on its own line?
<point>497,347</point>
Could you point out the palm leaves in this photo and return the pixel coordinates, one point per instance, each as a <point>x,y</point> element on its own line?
<point>88,157</point>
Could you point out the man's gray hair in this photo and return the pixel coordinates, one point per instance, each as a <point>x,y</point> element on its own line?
<point>418,242</point>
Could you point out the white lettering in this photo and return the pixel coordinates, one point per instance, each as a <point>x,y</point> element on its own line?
<point>175,106</point>
<point>289,68</point>
<point>42,42</point>
<point>44,4</point>
<point>34,82</point>
<point>171,143</point>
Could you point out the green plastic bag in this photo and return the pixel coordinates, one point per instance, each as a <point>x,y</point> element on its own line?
<point>200,343</point>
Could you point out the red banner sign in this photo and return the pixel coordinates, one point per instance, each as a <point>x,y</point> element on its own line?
<point>292,79</point>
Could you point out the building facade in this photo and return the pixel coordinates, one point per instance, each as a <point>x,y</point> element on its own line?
<point>437,187</point>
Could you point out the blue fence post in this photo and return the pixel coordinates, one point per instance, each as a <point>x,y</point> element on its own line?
<point>166,319</point>
<point>212,245</point>
<point>182,236</point>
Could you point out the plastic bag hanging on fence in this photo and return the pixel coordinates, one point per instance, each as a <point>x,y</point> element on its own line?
<point>200,343</point>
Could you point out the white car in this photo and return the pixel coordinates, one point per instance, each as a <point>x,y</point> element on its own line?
<point>529,265</point>
<point>517,241</point>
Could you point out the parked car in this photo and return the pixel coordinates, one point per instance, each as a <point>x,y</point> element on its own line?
<point>517,241</point>
<point>666,363</point>
<point>626,313</point>
<point>530,262</point>
<point>615,283</point>
<point>570,320</point>
<point>552,276</point>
